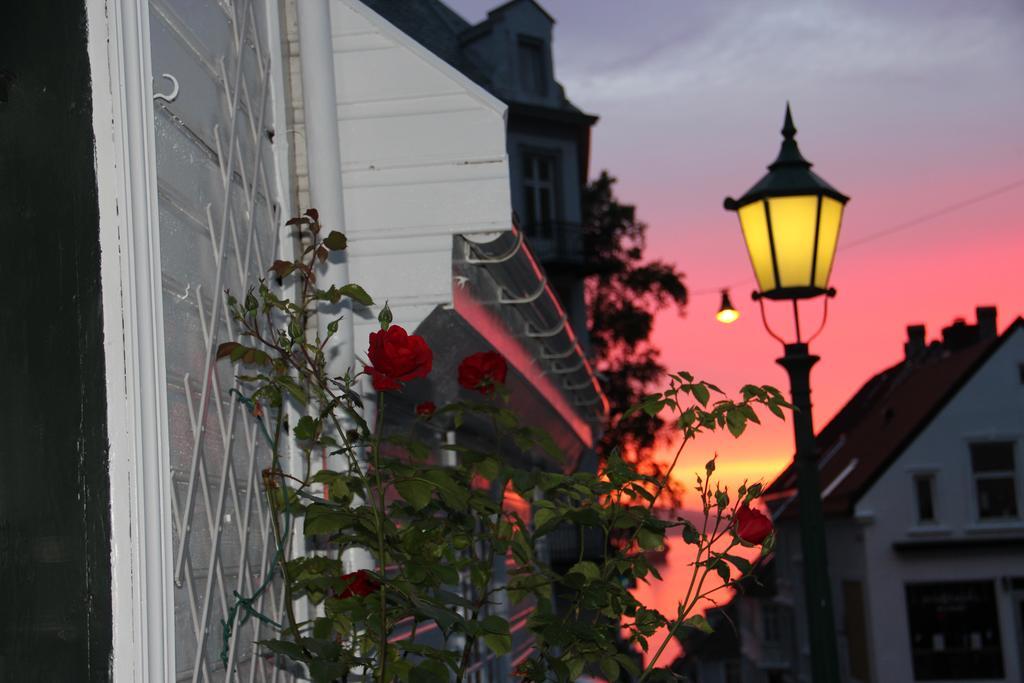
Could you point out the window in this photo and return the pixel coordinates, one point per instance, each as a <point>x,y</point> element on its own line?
<point>532,66</point>
<point>924,491</point>
<point>994,482</point>
<point>539,190</point>
<point>954,631</point>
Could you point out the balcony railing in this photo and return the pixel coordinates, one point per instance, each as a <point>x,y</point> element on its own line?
<point>558,243</point>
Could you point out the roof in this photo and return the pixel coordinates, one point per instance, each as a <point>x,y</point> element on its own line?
<point>885,416</point>
<point>445,33</point>
<point>436,27</point>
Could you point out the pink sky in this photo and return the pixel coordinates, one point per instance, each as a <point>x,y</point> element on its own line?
<point>906,108</point>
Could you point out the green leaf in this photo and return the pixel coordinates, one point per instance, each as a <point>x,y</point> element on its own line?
<point>489,468</point>
<point>357,293</point>
<point>499,644</point>
<point>284,647</point>
<point>321,519</point>
<point>690,533</point>
<point>610,669</point>
<point>416,492</point>
<point>305,429</point>
<point>428,671</point>
<point>700,623</point>
<point>453,495</point>
<point>701,393</point>
<point>226,349</point>
<point>282,269</point>
<point>628,664</point>
<point>335,241</point>
<point>322,628</point>
<point>740,563</point>
<point>292,387</point>
<point>587,569</point>
<point>650,540</point>
<point>544,515</point>
<point>495,624</point>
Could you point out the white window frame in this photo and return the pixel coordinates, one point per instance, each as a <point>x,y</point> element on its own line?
<point>979,522</point>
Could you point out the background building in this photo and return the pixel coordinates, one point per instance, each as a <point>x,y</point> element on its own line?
<point>922,486</point>
<point>548,141</point>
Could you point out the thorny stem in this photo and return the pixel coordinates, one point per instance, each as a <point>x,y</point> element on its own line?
<point>471,640</point>
<point>687,604</point>
<point>379,513</point>
<point>276,526</point>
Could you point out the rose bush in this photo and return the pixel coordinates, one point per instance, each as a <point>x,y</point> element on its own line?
<point>439,529</point>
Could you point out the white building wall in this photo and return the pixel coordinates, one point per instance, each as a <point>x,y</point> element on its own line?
<point>990,406</point>
<point>423,158</point>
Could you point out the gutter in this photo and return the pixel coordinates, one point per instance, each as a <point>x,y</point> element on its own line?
<point>505,277</point>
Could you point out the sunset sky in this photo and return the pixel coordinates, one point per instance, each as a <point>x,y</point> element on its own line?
<point>908,108</point>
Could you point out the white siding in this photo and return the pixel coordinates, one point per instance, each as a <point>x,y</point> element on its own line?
<point>423,158</point>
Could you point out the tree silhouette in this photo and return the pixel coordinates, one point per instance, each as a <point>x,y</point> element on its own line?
<point>623,293</point>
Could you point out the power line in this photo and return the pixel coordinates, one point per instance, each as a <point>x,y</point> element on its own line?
<point>950,208</point>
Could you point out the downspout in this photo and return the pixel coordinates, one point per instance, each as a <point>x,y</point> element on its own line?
<point>323,150</point>
<point>323,164</point>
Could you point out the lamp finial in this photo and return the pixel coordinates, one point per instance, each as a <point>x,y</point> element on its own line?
<point>788,129</point>
<point>790,154</point>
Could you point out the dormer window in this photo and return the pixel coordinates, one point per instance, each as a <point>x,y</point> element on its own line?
<point>532,66</point>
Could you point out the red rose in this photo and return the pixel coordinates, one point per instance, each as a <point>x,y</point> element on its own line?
<point>482,371</point>
<point>426,409</point>
<point>751,526</point>
<point>397,357</point>
<point>359,583</point>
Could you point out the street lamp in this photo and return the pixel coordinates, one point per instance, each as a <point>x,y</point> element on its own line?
<point>790,221</point>
<point>727,313</point>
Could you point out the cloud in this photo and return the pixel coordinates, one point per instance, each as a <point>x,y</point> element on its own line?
<point>748,45</point>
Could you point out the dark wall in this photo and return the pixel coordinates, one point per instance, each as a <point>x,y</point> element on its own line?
<point>55,618</point>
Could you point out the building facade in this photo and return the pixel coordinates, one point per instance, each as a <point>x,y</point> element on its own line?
<point>191,131</point>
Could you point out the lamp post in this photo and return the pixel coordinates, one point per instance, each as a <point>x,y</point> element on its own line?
<point>790,221</point>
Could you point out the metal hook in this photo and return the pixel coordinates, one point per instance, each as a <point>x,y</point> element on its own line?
<point>174,93</point>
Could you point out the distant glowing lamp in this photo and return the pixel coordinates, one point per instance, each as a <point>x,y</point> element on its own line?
<point>726,312</point>
<point>790,221</point>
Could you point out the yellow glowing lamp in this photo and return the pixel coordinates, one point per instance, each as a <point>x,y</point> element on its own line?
<point>726,312</point>
<point>790,221</point>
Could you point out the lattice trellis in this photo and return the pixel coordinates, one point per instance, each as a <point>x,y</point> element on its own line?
<point>219,230</point>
